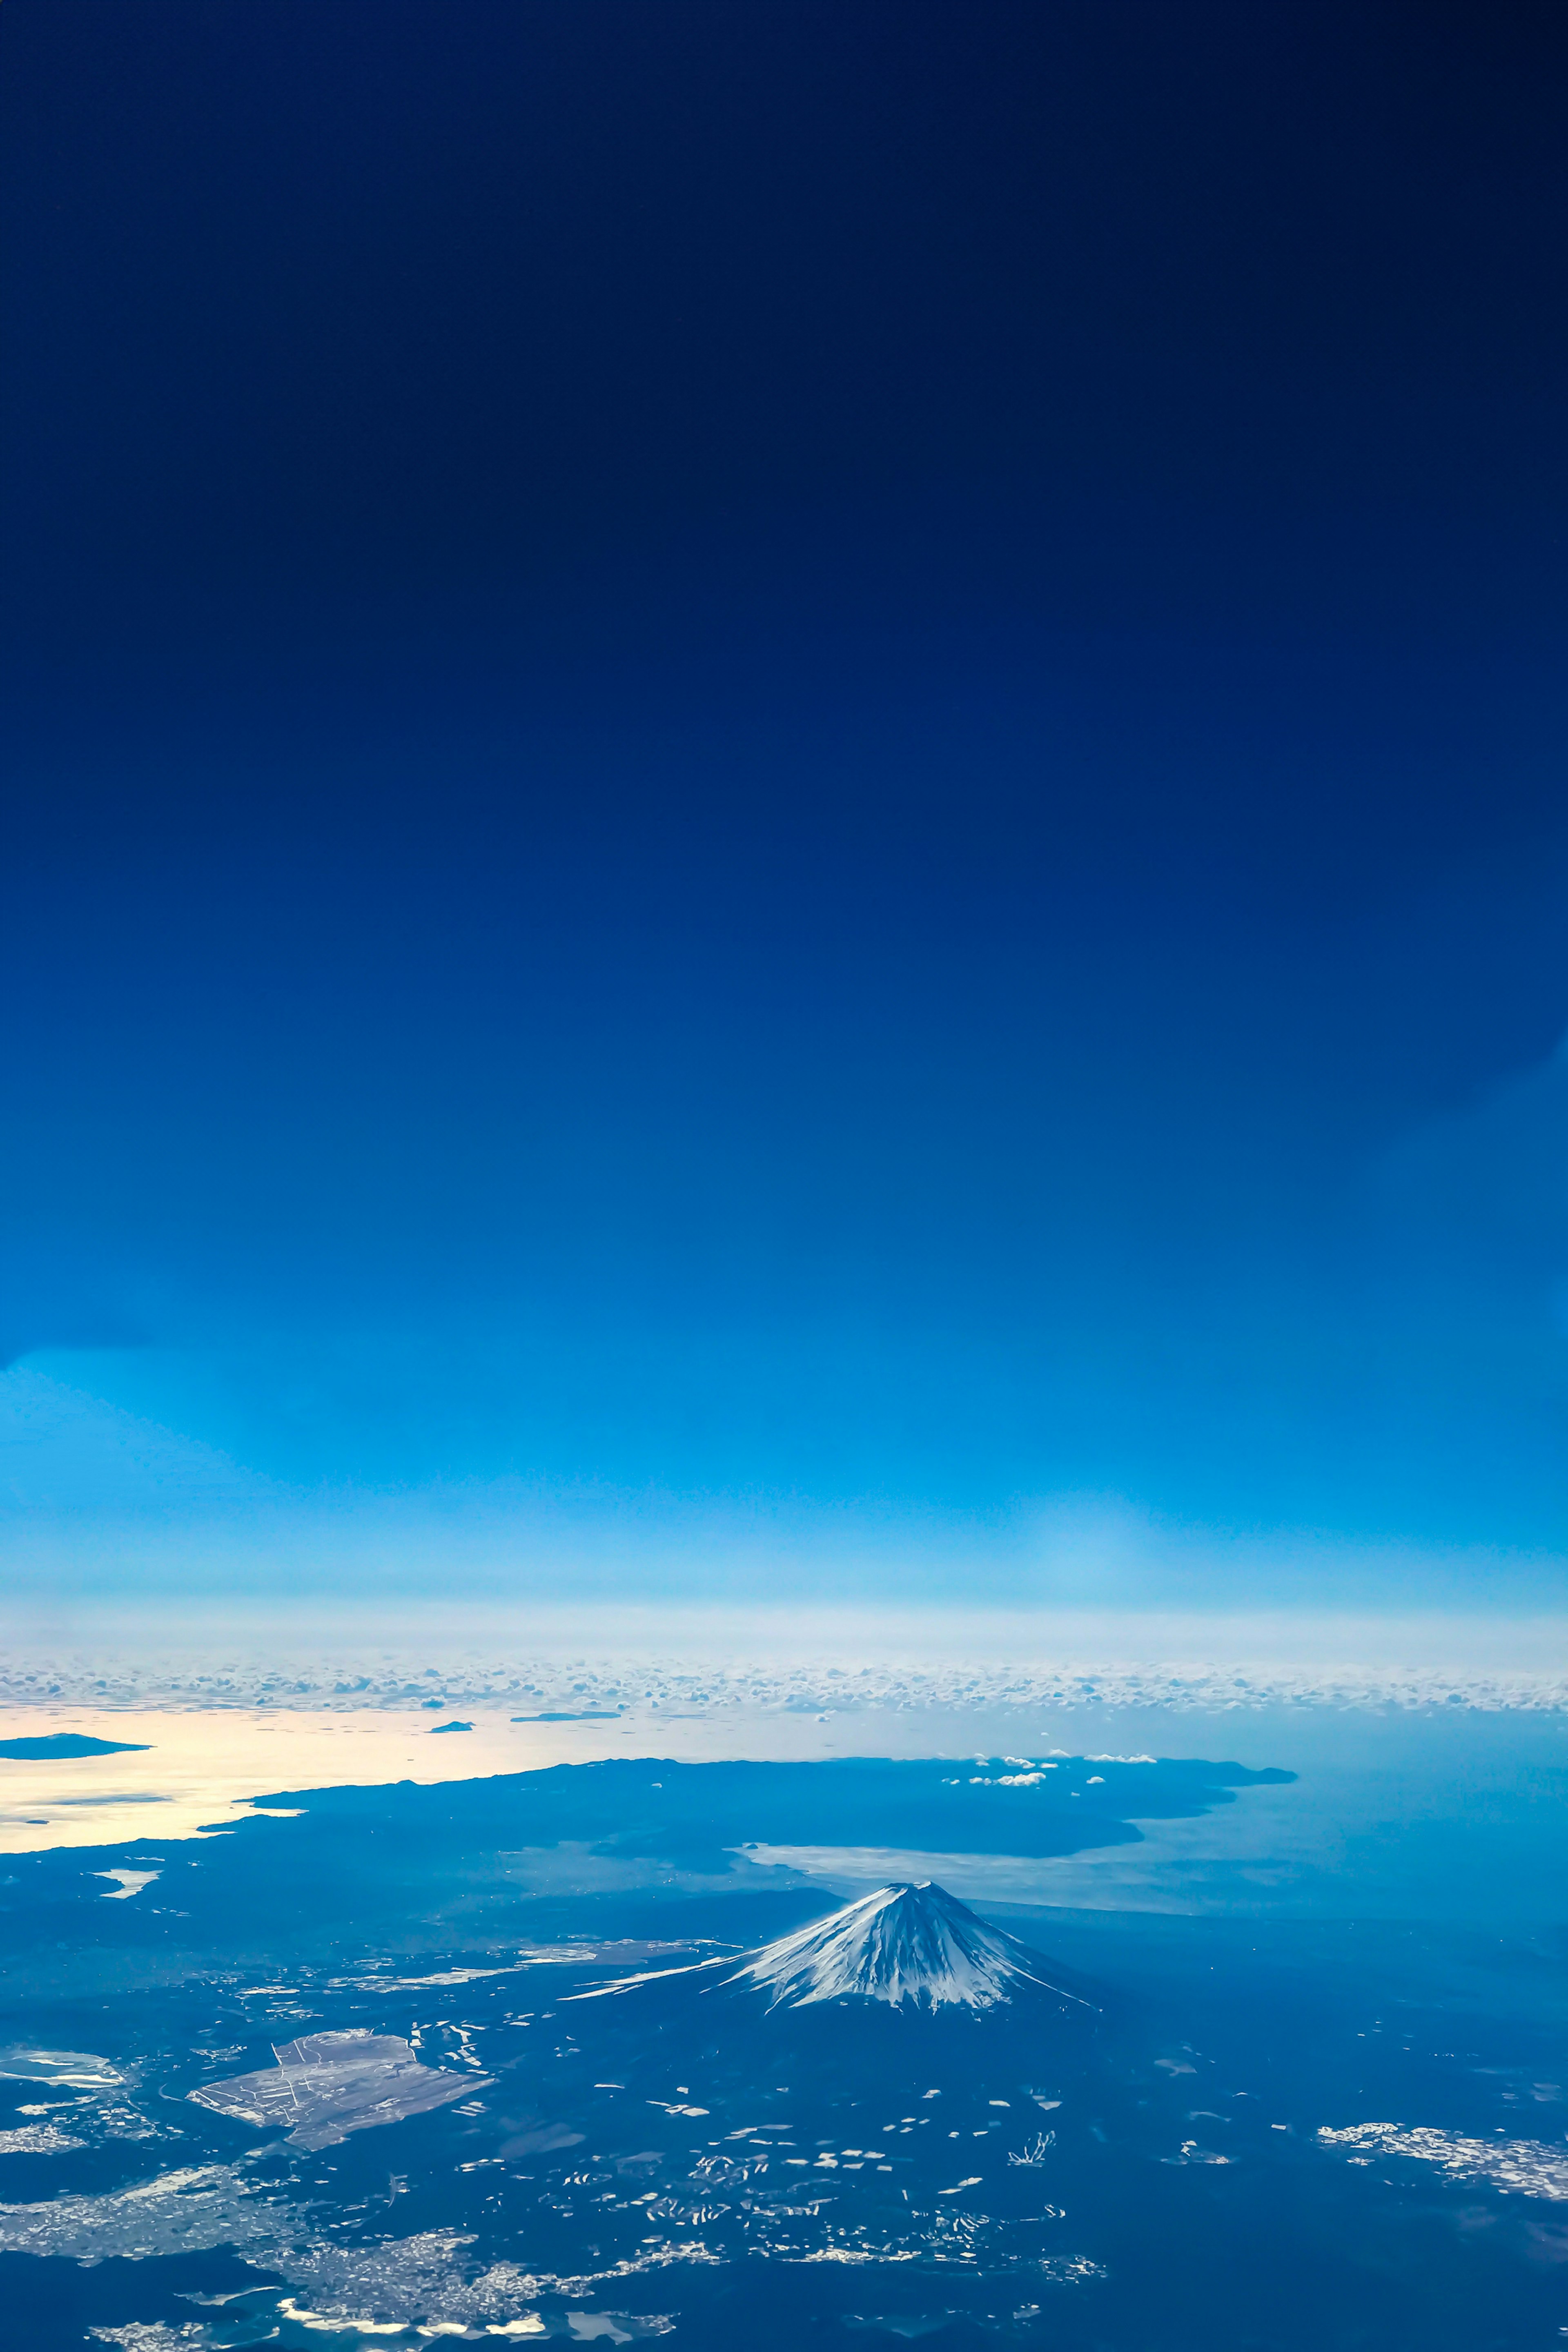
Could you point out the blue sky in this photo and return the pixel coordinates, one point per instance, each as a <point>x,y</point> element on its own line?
<point>789,778</point>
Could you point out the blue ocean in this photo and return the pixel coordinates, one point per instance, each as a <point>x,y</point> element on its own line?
<point>1257,2044</point>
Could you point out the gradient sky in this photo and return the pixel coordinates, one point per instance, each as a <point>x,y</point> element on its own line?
<point>791,766</point>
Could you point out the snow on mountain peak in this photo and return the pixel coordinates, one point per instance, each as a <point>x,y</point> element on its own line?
<point>903,1944</point>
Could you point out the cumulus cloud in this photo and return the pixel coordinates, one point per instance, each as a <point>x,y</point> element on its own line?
<point>1526,2167</point>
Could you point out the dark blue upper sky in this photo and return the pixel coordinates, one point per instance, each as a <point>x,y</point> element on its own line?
<point>795,751</point>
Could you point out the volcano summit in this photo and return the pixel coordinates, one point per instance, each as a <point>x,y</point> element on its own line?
<point>914,1946</point>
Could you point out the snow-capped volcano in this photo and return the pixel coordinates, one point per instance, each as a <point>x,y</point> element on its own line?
<point>915,1944</point>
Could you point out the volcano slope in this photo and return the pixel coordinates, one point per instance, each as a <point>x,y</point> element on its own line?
<point>905,1981</point>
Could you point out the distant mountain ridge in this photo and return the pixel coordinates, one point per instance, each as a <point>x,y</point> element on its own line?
<point>907,1945</point>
